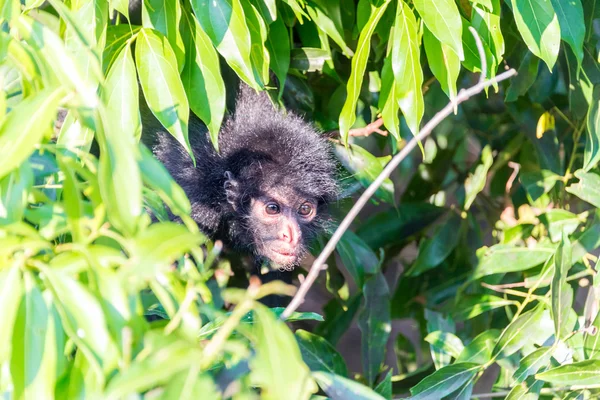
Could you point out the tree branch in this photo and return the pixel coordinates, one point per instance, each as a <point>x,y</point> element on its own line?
<point>316,267</point>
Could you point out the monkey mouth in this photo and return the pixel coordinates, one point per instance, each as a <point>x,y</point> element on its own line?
<point>283,256</point>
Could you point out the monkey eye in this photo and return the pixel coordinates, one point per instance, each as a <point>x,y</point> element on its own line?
<point>272,209</point>
<point>305,209</point>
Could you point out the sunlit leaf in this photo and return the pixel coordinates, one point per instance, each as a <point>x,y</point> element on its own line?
<point>470,306</point>
<point>278,367</point>
<point>503,258</point>
<point>519,332</point>
<point>480,349</point>
<point>475,182</point>
<point>359,65</point>
<point>562,293</point>
<point>533,362</point>
<point>165,16</point>
<point>588,187</point>
<point>11,291</point>
<point>591,156</point>
<point>201,77</point>
<point>162,86</point>
<point>443,20</point>
<point>572,25</point>
<point>14,189</point>
<point>278,44</point>
<point>538,24</point>
<point>579,373</point>
<point>444,381</point>
<point>443,62</point>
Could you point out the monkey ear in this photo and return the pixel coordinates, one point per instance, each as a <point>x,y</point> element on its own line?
<point>232,191</point>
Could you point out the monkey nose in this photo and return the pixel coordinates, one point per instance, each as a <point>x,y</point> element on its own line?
<point>287,234</point>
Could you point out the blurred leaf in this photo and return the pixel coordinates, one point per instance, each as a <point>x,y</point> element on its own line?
<point>278,43</point>
<point>437,322</point>
<point>396,225</point>
<point>165,356</point>
<point>384,387</point>
<point>519,332</point>
<point>75,135</point>
<point>502,258</point>
<point>475,182</point>
<point>533,362</point>
<point>357,257</point>
<point>579,373</point>
<point>444,381</point>
<point>319,355</point>
<point>14,189</point>
<point>324,22</point>
<point>443,62</point>
<point>359,65</point>
<point>591,12</point>
<point>407,66</point>
<point>561,291</point>
<point>308,59</point>
<point>572,25</point>
<point>437,248</point>
<point>537,183</point>
<point>73,199</point>
<point>25,126</point>
<point>470,306</point>
<point>83,319</point>
<point>592,143</point>
<point>526,75</point>
<point>340,388</point>
<point>165,16</point>
<point>162,86</point>
<point>446,341</point>
<point>225,24</point>
<point>278,367</point>
<point>11,292</point>
<point>539,28</point>
<point>201,77</point>
<point>588,187</point>
<point>443,20</point>
<point>479,351</point>
<point>375,325</point>
<point>592,340</point>
<point>366,168</point>
<point>35,345</point>
<point>188,386</point>
<point>338,318</point>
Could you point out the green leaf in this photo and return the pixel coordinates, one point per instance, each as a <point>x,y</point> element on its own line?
<point>539,28</point>
<point>526,75</point>
<point>579,373</point>
<point>201,77</point>
<point>357,256</point>
<point>375,325</point>
<point>405,55</point>
<point>117,37</point>
<point>439,246</point>
<point>572,25</point>
<point>359,65</point>
<point>278,43</point>
<point>165,356</point>
<point>319,355</point>
<point>338,318</point>
<point>11,292</point>
<point>520,332</point>
<point>388,99</point>
<point>502,258</point>
<point>366,168</point>
<point>162,86</point>
<point>340,388</point>
<point>591,156</point>
<point>592,340</point>
<point>73,199</point>
<point>475,182</point>
<point>470,306</point>
<point>225,24</point>
<point>308,59</point>
<point>558,221</point>
<point>443,62</point>
<point>588,187</point>
<point>384,387</point>
<point>443,20</point>
<point>259,55</point>
<point>533,362</point>
<point>538,183</point>
<point>35,345</point>
<point>324,22</point>
<point>14,189</point>
<point>444,381</point>
<point>561,290</point>
<point>25,126</point>
<point>75,135</point>
<point>278,367</point>
<point>165,16</point>
<point>397,225</point>
<point>487,25</point>
<point>445,341</point>
<point>479,351</point>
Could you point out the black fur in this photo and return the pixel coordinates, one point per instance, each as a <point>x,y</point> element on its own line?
<point>263,148</point>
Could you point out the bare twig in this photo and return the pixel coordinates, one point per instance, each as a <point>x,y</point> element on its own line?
<point>313,273</point>
<point>369,129</point>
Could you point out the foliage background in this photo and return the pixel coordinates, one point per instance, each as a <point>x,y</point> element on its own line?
<point>486,243</point>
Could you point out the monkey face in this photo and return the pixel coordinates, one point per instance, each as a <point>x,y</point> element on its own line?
<point>279,224</point>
